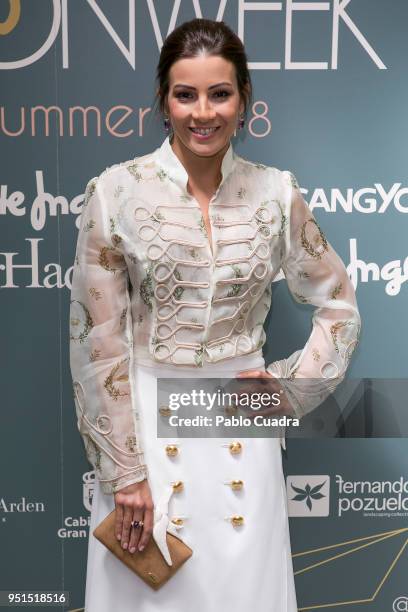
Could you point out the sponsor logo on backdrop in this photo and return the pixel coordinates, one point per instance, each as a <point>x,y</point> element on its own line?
<point>372,498</point>
<point>394,272</point>
<point>78,527</point>
<point>365,200</point>
<point>337,22</point>
<point>23,505</point>
<point>88,489</point>
<point>309,495</point>
<point>53,275</point>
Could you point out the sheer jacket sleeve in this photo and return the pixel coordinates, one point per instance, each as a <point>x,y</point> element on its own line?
<point>101,347</point>
<point>315,275</point>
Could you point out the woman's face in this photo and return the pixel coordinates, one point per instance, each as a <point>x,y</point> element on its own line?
<point>203,93</point>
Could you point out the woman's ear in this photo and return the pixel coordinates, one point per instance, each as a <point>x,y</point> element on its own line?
<point>242,103</point>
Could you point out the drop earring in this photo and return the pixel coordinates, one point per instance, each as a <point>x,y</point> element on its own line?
<point>167,124</point>
<point>241,122</point>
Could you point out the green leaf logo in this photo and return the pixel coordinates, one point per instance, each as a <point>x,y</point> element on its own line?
<point>308,493</point>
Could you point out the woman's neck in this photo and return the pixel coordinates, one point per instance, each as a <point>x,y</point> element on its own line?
<point>204,172</point>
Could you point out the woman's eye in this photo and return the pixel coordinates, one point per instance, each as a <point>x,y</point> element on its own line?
<point>185,95</point>
<point>222,94</point>
<point>182,94</point>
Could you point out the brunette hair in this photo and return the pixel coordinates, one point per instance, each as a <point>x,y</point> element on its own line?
<point>192,38</point>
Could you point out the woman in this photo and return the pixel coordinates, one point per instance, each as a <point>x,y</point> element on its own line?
<point>175,257</point>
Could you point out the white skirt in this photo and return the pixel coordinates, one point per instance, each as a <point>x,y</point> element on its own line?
<point>233,568</point>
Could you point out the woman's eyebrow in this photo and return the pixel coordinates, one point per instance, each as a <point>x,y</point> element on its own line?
<point>211,86</point>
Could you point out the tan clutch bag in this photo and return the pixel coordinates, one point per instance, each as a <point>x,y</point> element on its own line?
<point>149,564</point>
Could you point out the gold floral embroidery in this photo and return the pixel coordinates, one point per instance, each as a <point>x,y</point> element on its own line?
<point>293,375</point>
<point>236,288</point>
<point>336,291</point>
<point>157,217</point>
<point>178,292</point>
<point>123,378</point>
<point>217,218</point>
<point>134,170</point>
<point>284,220</point>
<point>301,298</point>
<point>198,357</point>
<point>116,239</point>
<point>89,225</point>
<point>319,240</point>
<point>131,443</point>
<point>90,190</point>
<point>113,391</point>
<point>316,354</point>
<point>103,258</point>
<point>88,325</point>
<point>97,295</point>
<point>334,330</point>
<point>202,226</point>
<point>146,289</point>
<point>162,174</point>
<point>94,355</point>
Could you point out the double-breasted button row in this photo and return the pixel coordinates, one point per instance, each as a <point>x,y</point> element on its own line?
<point>178,521</point>
<point>172,450</point>
<point>165,411</point>
<point>235,448</point>
<point>236,520</point>
<point>236,484</point>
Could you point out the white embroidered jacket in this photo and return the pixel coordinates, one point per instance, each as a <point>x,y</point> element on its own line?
<point>147,286</point>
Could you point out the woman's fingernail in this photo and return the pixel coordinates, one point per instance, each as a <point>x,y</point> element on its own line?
<point>118,536</point>
<point>125,545</point>
<point>141,547</point>
<point>132,550</point>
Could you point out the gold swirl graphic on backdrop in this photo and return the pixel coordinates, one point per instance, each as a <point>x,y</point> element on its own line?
<point>12,19</point>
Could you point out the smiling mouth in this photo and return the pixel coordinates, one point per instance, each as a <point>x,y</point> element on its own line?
<point>204,131</point>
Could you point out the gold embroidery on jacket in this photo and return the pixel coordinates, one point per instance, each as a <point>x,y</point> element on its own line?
<point>319,240</point>
<point>113,391</point>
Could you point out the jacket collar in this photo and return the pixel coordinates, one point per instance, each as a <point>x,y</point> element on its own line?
<point>177,173</point>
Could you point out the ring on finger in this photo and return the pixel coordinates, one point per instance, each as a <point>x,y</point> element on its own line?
<point>136,524</point>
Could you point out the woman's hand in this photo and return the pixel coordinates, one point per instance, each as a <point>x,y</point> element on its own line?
<point>134,503</point>
<point>270,386</point>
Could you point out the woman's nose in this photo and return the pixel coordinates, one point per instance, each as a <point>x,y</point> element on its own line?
<point>203,111</point>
